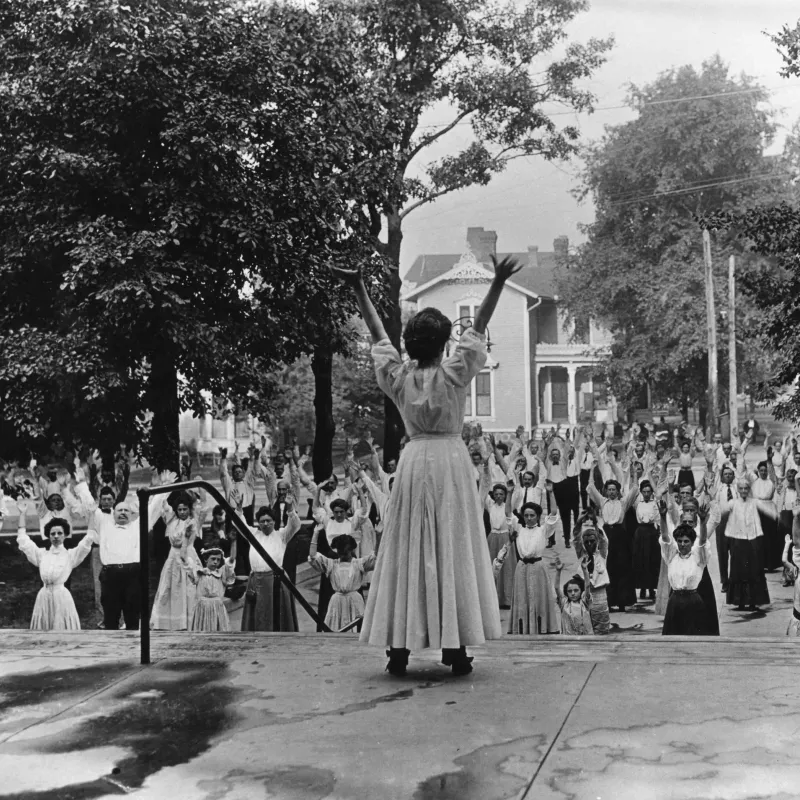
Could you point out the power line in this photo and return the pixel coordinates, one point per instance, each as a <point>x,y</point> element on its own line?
<point>652,103</point>
<point>691,190</point>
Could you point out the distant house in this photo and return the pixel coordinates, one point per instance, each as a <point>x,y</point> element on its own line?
<point>538,372</point>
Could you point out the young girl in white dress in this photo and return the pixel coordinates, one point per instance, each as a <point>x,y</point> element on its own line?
<point>210,613</point>
<point>346,574</point>
<point>54,609</point>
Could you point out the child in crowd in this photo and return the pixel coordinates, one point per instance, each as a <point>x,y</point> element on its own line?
<point>575,601</point>
<point>209,611</point>
<point>346,574</point>
<point>591,541</point>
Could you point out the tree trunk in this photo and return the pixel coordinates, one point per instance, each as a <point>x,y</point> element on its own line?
<point>325,428</point>
<point>703,416</point>
<point>163,401</point>
<point>393,428</point>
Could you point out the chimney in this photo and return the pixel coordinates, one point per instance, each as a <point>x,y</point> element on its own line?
<point>482,243</point>
<point>533,255</point>
<point>561,250</point>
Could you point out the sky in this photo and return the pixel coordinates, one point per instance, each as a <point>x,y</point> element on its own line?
<point>531,202</point>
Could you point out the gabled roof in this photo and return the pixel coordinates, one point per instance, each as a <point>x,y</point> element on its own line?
<point>538,281</point>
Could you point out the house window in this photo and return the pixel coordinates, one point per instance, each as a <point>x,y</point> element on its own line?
<point>465,314</point>
<point>480,395</point>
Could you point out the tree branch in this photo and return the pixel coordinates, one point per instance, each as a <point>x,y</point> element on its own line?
<point>433,137</point>
<point>428,199</point>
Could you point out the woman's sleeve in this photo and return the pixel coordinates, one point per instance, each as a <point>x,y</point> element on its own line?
<point>322,563</point>
<point>77,554</point>
<point>388,366</point>
<point>468,359</point>
<point>550,523</point>
<point>702,552</point>
<point>28,548</point>
<point>668,549</point>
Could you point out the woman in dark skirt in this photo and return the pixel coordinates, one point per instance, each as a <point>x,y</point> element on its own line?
<point>687,614</point>
<point>621,590</point>
<point>762,488</point>
<point>646,550</point>
<point>265,589</point>
<point>747,586</point>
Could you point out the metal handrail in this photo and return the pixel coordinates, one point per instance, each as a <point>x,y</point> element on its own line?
<point>241,528</point>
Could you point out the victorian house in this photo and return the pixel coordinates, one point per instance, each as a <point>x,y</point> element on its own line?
<point>539,372</point>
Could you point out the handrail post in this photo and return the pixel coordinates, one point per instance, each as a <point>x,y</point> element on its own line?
<point>144,576</point>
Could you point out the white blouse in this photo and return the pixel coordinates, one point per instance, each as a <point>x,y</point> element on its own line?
<point>274,543</point>
<point>497,515</point>
<point>684,572</point>
<point>56,564</point>
<point>532,542</point>
<point>647,512</point>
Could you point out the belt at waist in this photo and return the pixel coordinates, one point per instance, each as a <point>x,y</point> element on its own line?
<point>531,559</point>
<point>420,436</point>
<point>128,565</point>
<point>684,591</point>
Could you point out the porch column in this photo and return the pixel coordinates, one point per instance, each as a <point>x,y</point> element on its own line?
<point>572,411</point>
<point>547,398</point>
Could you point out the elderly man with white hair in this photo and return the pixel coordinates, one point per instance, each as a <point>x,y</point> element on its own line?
<point>119,554</point>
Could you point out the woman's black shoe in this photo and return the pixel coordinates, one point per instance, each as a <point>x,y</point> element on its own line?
<point>398,661</point>
<point>457,659</point>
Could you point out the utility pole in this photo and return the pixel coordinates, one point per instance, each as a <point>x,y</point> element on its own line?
<point>733,405</point>
<point>711,313</point>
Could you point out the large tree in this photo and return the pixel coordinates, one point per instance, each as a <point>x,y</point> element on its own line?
<point>489,67</point>
<point>177,177</point>
<point>696,145</point>
<point>772,279</point>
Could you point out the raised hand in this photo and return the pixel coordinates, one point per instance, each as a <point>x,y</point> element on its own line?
<point>167,477</point>
<point>352,277</point>
<point>22,505</point>
<point>223,452</point>
<point>504,269</point>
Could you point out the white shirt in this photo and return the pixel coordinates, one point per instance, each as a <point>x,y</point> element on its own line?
<point>647,513</point>
<point>532,542</point>
<point>119,544</point>
<point>274,544</point>
<point>684,573</point>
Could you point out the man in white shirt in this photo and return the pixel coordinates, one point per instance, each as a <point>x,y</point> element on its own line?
<point>119,554</point>
<point>101,519</point>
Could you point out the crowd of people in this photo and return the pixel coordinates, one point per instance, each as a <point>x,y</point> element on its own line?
<point>442,540</point>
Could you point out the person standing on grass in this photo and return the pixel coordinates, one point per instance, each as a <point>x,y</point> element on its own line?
<point>54,609</point>
<point>433,584</point>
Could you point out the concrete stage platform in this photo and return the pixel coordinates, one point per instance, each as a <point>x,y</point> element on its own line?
<point>308,716</point>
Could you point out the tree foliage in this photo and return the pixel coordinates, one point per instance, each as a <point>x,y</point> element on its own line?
<point>490,66</point>
<point>178,175</point>
<point>772,280</point>
<point>641,272</point>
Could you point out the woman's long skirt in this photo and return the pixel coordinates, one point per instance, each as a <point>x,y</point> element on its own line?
<point>505,578</point>
<point>54,610</point>
<point>264,590</point>
<point>646,556</point>
<point>785,521</point>
<point>534,610</point>
<point>686,615</point>
<point>746,582</point>
<point>621,590</point>
<point>173,606</point>
<point>686,478</point>
<point>773,542</point>
<point>706,591</point>
<point>433,584</point>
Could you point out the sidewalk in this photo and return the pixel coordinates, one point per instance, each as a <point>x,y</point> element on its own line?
<point>305,717</point>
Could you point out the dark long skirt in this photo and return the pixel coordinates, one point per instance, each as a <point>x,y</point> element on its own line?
<point>785,521</point>
<point>706,591</point>
<point>325,588</point>
<point>686,478</point>
<point>686,615</point>
<point>746,582</point>
<point>264,590</point>
<point>646,556</point>
<point>621,591</point>
<point>773,542</point>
